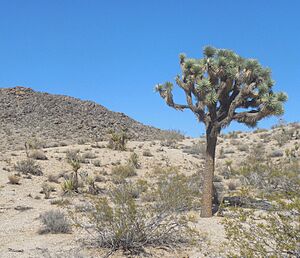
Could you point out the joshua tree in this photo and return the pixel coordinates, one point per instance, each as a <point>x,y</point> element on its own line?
<point>219,88</point>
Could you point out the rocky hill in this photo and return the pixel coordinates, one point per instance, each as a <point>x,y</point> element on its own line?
<point>57,119</point>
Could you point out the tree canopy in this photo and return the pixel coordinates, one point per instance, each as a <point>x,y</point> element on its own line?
<point>222,87</point>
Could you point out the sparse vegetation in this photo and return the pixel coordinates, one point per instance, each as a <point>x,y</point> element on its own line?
<point>38,155</point>
<point>134,160</point>
<point>118,141</point>
<point>54,222</point>
<point>147,153</point>
<point>121,172</point>
<point>28,166</point>
<point>272,234</point>
<point>121,224</point>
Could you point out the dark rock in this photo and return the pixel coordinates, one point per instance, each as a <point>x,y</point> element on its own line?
<point>57,118</point>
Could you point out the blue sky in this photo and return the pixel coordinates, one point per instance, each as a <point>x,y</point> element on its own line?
<point>114,52</point>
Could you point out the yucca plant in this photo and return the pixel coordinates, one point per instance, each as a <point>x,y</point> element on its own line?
<point>220,88</point>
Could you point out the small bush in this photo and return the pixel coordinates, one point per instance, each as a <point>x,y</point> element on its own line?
<point>121,224</point>
<point>14,180</point>
<point>272,234</point>
<point>38,155</point>
<point>147,153</point>
<point>134,160</point>
<point>28,166</point>
<point>97,163</point>
<point>47,189</point>
<point>196,149</point>
<point>176,192</point>
<point>89,155</point>
<point>73,156</point>
<point>53,179</point>
<point>170,138</point>
<point>54,222</point>
<point>243,147</point>
<point>118,141</point>
<point>121,172</point>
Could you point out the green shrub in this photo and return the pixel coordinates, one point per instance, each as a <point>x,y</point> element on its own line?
<point>68,186</point>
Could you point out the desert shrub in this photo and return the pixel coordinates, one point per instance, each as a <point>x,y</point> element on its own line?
<point>172,134</point>
<point>257,153</point>
<point>175,192</point>
<point>123,171</point>
<point>73,156</point>
<point>134,160</point>
<point>89,155</point>
<point>276,154</point>
<point>37,154</point>
<point>118,141</point>
<point>97,163</point>
<point>270,234</point>
<point>14,179</point>
<point>54,222</point>
<point>47,189</point>
<point>122,224</point>
<point>170,138</point>
<point>283,136</point>
<point>196,149</point>
<point>271,178</point>
<point>243,147</point>
<point>53,178</point>
<point>33,144</point>
<point>28,166</point>
<point>147,153</point>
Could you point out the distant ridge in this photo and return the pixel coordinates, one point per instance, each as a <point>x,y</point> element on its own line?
<point>25,113</point>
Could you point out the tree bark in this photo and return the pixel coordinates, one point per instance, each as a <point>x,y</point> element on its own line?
<point>207,193</point>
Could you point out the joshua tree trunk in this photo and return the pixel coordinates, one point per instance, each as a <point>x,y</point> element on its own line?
<point>207,194</point>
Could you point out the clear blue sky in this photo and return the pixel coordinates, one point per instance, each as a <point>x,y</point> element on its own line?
<point>114,52</point>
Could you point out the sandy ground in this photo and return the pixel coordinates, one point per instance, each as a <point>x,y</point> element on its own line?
<point>19,229</point>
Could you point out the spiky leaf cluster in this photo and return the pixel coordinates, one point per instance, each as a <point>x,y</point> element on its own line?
<point>223,86</point>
